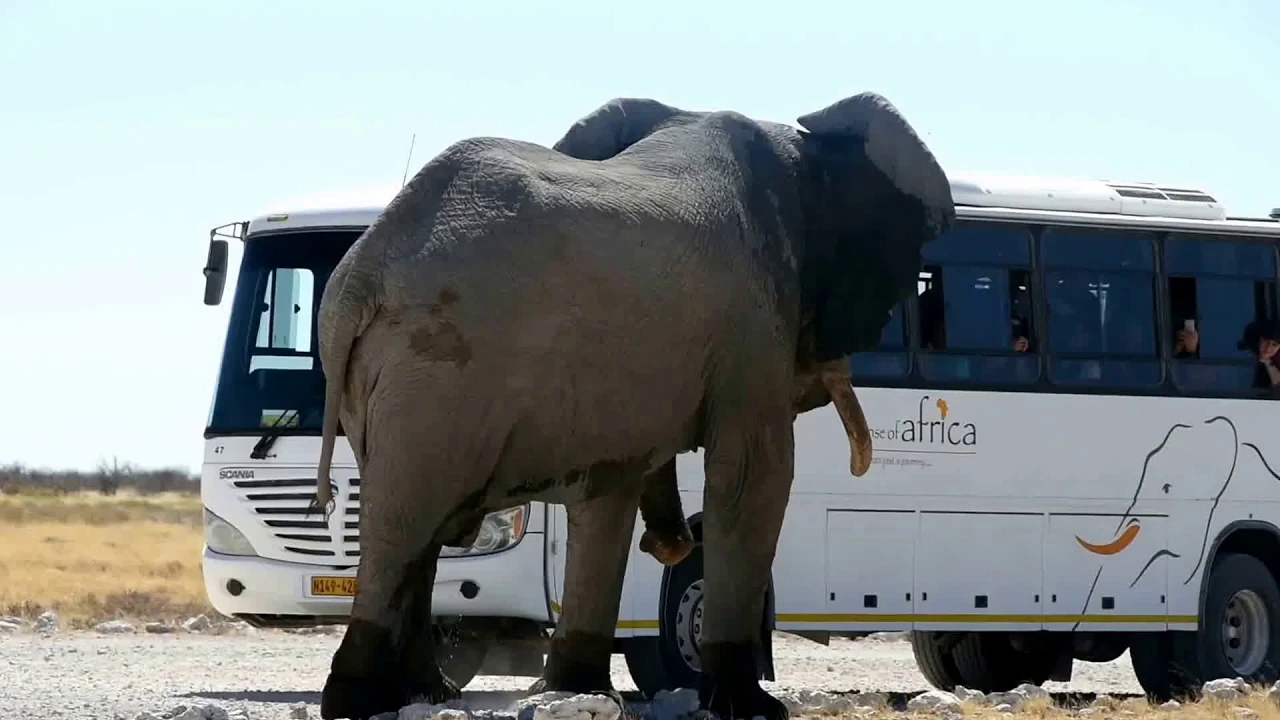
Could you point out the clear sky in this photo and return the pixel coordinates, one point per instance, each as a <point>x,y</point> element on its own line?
<point>128,129</point>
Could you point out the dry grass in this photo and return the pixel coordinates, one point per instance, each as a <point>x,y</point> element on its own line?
<point>93,557</point>
<point>1255,706</point>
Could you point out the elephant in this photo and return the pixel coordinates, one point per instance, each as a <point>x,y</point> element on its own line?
<point>530,323</point>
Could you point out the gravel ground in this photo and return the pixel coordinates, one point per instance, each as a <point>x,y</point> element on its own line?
<point>92,675</point>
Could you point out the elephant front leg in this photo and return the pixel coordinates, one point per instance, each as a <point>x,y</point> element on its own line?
<point>667,536</point>
<point>599,538</point>
<point>748,483</point>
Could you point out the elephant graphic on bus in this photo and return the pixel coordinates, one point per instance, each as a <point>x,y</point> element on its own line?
<point>1177,508</point>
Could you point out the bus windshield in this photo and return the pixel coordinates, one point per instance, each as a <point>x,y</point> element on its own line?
<point>270,375</point>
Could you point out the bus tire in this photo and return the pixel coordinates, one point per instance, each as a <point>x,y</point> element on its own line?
<point>987,661</point>
<point>1239,634</point>
<point>671,659</point>
<point>460,646</point>
<point>933,658</point>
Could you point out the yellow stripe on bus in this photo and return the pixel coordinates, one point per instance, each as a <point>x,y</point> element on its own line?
<point>975,618</point>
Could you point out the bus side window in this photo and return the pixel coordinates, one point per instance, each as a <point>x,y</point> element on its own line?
<point>284,325</point>
<point>975,306</point>
<point>1100,297</point>
<point>890,358</point>
<point>1217,287</point>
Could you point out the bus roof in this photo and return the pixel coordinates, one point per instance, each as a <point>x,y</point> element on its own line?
<point>1013,198</point>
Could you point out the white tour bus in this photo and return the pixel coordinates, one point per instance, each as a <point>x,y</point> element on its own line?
<point>1060,473</point>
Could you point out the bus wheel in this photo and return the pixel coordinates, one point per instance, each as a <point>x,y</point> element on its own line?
<point>989,662</point>
<point>933,658</point>
<point>460,645</point>
<point>673,658</point>
<point>1239,634</point>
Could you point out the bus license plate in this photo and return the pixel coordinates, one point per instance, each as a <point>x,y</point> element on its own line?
<point>333,586</point>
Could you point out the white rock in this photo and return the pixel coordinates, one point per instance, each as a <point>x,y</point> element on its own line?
<point>1005,708</point>
<point>8,627</point>
<point>526,706</point>
<point>199,623</point>
<point>427,711</point>
<point>965,694</point>
<point>158,628</point>
<point>47,622</point>
<point>1171,705</point>
<point>298,711</point>
<point>114,627</point>
<point>147,716</point>
<point>673,704</point>
<point>1225,689</point>
<point>579,707</point>
<point>1245,713</point>
<point>933,700</point>
<point>868,700</point>
<point>820,701</point>
<point>1031,692</point>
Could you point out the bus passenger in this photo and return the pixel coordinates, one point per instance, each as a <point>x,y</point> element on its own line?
<point>1262,338</point>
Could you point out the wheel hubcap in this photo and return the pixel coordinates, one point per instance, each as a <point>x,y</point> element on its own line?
<point>1246,632</point>
<point>689,626</point>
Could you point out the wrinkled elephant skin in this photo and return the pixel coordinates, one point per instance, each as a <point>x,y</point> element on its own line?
<point>528,323</point>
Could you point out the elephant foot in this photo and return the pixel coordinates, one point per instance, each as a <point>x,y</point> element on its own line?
<point>667,547</point>
<point>365,680</point>
<point>579,663</point>
<point>730,689</point>
<point>359,698</point>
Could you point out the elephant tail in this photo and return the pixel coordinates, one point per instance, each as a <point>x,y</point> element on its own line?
<point>345,310</point>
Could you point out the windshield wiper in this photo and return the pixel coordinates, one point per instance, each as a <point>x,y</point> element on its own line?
<point>264,443</point>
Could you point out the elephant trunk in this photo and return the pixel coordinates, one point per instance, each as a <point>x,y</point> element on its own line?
<point>835,377</point>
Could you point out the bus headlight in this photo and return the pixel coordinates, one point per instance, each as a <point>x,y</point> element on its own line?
<point>498,531</point>
<point>223,538</point>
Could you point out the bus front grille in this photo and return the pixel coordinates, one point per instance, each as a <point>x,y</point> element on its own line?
<point>283,506</point>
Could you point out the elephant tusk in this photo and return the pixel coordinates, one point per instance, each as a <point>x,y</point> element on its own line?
<point>836,379</point>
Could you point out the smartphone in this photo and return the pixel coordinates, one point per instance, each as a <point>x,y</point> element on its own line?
<point>1189,325</point>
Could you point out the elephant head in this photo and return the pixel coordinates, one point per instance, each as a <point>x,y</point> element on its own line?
<point>871,195</point>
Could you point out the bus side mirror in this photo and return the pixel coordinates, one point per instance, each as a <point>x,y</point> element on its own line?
<point>215,271</point>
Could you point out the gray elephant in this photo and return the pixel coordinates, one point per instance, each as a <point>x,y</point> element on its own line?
<point>557,324</point>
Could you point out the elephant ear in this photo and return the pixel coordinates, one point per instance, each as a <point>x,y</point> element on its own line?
<point>613,127</point>
<point>881,196</point>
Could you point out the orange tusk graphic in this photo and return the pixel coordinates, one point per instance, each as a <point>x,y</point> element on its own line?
<point>1115,546</point>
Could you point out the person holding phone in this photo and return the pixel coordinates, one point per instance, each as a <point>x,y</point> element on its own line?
<point>1187,341</point>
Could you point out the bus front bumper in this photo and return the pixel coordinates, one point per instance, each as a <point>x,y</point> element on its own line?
<point>276,593</point>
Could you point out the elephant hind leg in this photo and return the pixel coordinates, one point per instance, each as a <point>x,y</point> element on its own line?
<point>414,497</point>
<point>667,536</point>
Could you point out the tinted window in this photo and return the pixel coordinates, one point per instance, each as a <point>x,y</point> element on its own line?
<point>1217,287</point>
<point>974,305</point>
<point>890,357</point>
<point>981,243</point>
<point>1100,301</point>
<point>1190,255</point>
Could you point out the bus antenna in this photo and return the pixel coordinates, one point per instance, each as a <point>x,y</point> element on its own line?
<point>405,179</point>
